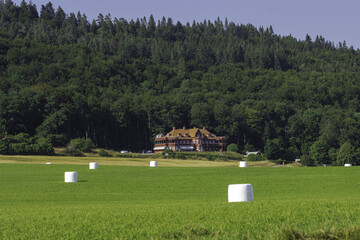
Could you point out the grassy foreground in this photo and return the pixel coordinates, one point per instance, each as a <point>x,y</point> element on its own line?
<point>122,202</point>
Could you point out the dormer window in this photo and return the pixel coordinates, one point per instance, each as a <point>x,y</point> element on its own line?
<point>180,135</point>
<point>210,135</point>
<point>169,134</point>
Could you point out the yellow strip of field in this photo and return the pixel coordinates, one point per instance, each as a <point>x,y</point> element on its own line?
<point>123,161</point>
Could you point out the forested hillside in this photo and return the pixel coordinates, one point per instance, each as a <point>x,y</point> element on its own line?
<point>119,82</point>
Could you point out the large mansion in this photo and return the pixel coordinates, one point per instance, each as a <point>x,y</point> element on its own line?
<point>193,139</point>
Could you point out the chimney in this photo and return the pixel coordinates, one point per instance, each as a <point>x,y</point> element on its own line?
<point>204,128</point>
<point>173,128</point>
<point>184,128</point>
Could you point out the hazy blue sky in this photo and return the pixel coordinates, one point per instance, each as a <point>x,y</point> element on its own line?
<point>336,20</point>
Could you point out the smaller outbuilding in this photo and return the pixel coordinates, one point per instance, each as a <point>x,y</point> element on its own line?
<point>255,153</point>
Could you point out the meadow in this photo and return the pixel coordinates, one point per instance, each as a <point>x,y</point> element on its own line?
<point>128,160</point>
<point>135,202</point>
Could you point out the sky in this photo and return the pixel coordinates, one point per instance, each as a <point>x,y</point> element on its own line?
<point>335,20</point>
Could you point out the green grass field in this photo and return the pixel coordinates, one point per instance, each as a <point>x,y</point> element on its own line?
<point>127,202</point>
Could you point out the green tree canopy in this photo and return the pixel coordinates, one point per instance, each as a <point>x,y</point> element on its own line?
<point>346,154</point>
<point>119,82</point>
<point>232,147</point>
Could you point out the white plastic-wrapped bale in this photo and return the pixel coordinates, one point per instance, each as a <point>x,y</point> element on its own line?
<point>153,163</point>
<point>93,165</point>
<point>71,177</point>
<point>48,163</point>
<point>243,164</point>
<point>240,193</point>
<point>347,165</point>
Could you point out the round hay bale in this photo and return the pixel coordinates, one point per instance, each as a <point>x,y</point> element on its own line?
<point>240,193</point>
<point>71,177</point>
<point>347,165</point>
<point>153,163</point>
<point>243,164</point>
<point>93,165</point>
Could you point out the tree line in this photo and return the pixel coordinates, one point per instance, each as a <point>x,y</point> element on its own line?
<point>120,82</point>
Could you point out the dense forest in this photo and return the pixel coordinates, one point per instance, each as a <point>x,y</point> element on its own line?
<point>120,82</point>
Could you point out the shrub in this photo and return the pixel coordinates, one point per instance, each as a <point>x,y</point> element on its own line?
<point>81,144</point>
<point>42,148</point>
<point>167,151</point>
<point>4,147</point>
<point>306,160</point>
<point>180,155</point>
<point>19,148</point>
<point>72,151</point>
<point>103,153</point>
<point>346,154</point>
<point>254,158</point>
<point>232,147</point>
<point>210,158</point>
<point>129,155</point>
<point>24,144</point>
